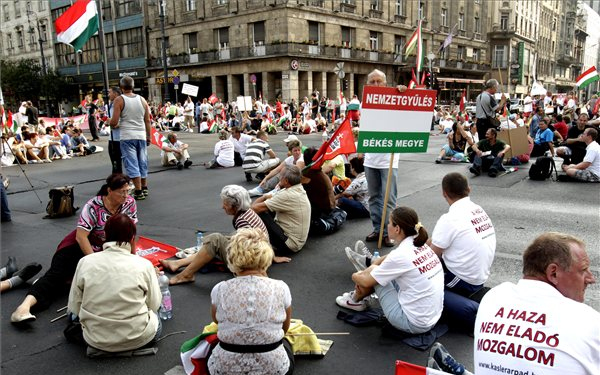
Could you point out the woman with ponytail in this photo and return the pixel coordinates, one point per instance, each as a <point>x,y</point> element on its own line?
<point>409,281</point>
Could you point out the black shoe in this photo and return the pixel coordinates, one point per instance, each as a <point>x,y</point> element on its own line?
<point>145,191</point>
<point>187,163</point>
<point>11,267</point>
<point>138,195</point>
<point>372,237</point>
<point>179,165</point>
<point>248,177</point>
<point>475,171</point>
<point>438,161</point>
<point>492,172</point>
<point>29,271</point>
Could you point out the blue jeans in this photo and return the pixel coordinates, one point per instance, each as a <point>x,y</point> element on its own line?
<point>4,204</point>
<point>353,208</point>
<point>135,157</point>
<point>484,163</point>
<point>377,180</point>
<point>388,299</point>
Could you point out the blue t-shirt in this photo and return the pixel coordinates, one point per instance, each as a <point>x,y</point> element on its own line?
<point>543,136</point>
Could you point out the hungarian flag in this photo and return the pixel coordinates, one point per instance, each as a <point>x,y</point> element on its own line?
<point>11,124</point>
<point>415,44</point>
<point>157,138</point>
<point>194,353</point>
<point>212,99</point>
<point>463,103</point>
<point>587,77</point>
<point>596,107</point>
<point>78,24</point>
<point>405,368</point>
<point>413,82</point>
<point>341,142</point>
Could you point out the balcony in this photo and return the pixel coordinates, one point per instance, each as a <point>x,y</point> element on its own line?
<point>348,6</point>
<point>275,50</point>
<point>376,13</point>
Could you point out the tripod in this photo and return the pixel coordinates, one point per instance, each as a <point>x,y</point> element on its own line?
<point>5,144</point>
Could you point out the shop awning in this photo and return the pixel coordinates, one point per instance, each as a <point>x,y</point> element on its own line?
<point>460,80</point>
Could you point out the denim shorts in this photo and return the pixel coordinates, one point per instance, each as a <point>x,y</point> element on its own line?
<point>135,158</point>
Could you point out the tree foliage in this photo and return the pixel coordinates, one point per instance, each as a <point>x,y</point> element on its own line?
<point>24,80</point>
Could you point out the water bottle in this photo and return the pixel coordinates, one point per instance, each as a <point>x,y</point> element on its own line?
<point>375,255</point>
<point>166,307</point>
<point>325,136</point>
<point>198,240</point>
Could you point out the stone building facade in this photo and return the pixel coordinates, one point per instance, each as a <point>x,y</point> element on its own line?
<point>288,48</point>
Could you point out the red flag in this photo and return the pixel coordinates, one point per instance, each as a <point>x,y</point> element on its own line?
<point>157,138</point>
<point>212,99</point>
<point>333,114</point>
<point>341,142</point>
<point>279,108</point>
<point>463,101</point>
<point>153,250</point>
<point>596,107</point>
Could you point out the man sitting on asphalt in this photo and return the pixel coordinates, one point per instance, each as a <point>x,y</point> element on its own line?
<point>493,150</point>
<point>288,230</point>
<point>573,148</point>
<point>240,144</point>
<point>465,240</point>
<point>256,160</point>
<point>175,152</point>
<point>589,169</point>
<point>37,149</point>
<point>539,325</point>
<point>543,139</point>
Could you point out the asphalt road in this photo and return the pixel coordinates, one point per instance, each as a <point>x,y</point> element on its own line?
<point>181,202</point>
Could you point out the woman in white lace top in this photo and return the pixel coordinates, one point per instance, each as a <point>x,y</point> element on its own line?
<point>253,312</point>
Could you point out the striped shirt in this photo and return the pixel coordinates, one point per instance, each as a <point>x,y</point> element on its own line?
<point>249,219</point>
<point>255,153</point>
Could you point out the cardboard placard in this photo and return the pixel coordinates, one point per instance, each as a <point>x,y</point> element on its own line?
<point>189,90</point>
<point>517,140</point>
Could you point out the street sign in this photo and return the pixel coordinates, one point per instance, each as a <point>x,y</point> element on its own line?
<point>176,80</point>
<point>294,64</point>
<point>175,72</point>
<point>392,121</point>
<point>253,79</point>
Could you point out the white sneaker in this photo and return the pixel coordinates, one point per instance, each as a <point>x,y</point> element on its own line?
<point>361,248</point>
<point>256,192</point>
<point>346,300</point>
<point>359,261</point>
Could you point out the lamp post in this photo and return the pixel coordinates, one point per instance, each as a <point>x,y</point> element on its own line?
<point>161,16</point>
<point>431,57</point>
<point>41,42</point>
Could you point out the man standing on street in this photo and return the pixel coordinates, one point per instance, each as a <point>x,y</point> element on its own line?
<point>91,108</point>
<point>114,144</point>
<point>131,115</point>
<point>32,115</point>
<point>486,107</point>
<point>376,172</point>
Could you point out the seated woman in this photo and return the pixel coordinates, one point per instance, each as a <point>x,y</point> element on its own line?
<point>252,310</point>
<point>113,198</point>
<point>272,179</point>
<point>236,202</point>
<point>224,152</point>
<point>455,148</point>
<point>355,199</point>
<point>115,293</point>
<point>318,187</point>
<point>409,281</point>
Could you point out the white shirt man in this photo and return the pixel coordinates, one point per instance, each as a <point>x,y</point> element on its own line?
<point>589,169</point>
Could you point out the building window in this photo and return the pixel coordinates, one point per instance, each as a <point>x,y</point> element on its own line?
<point>374,40</point>
<point>159,46</point>
<point>43,32</point>
<point>28,7</point>
<point>106,11</point>
<point>191,41</point>
<point>90,52</point>
<point>460,53</point>
<point>17,9</point>
<point>461,21</point>
<point>221,2</point>
<point>20,40</point>
<point>444,15</point>
<point>346,37</point>
<point>127,7</point>
<point>399,7</point>
<point>554,24</point>
<point>374,5</point>
<point>65,55</point>
<point>5,11</point>
<point>504,21</point>
<point>444,54</point>
<point>499,57</point>
<point>399,43</point>
<point>130,43</point>
<point>190,5</point>
<point>476,54</point>
<point>9,41</point>
<point>223,38</point>
<point>477,26</point>
<point>422,11</point>
<point>313,33</point>
<point>41,5</point>
<point>258,33</point>
<point>110,45</point>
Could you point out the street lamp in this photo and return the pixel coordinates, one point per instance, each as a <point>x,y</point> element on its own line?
<point>161,16</point>
<point>41,42</point>
<point>431,57</point>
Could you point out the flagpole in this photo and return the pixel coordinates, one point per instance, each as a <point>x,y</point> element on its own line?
<point>385,200</point>
<point>103,52</point>
<point>507,112</point>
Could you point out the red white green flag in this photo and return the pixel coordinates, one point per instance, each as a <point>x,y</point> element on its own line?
<point>341,142</point>
<point>587,77</point>
<point>77,24</point>
<point>11,124</point>
<point>415,44</point>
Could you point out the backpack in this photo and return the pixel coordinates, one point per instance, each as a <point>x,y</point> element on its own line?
<point>542,168</point>
<point>328,223</point>
<point>61,202</point>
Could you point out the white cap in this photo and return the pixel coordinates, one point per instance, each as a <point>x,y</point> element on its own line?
<point>290,138</point>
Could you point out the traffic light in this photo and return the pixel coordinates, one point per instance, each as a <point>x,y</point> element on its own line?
<point>346,84</point>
